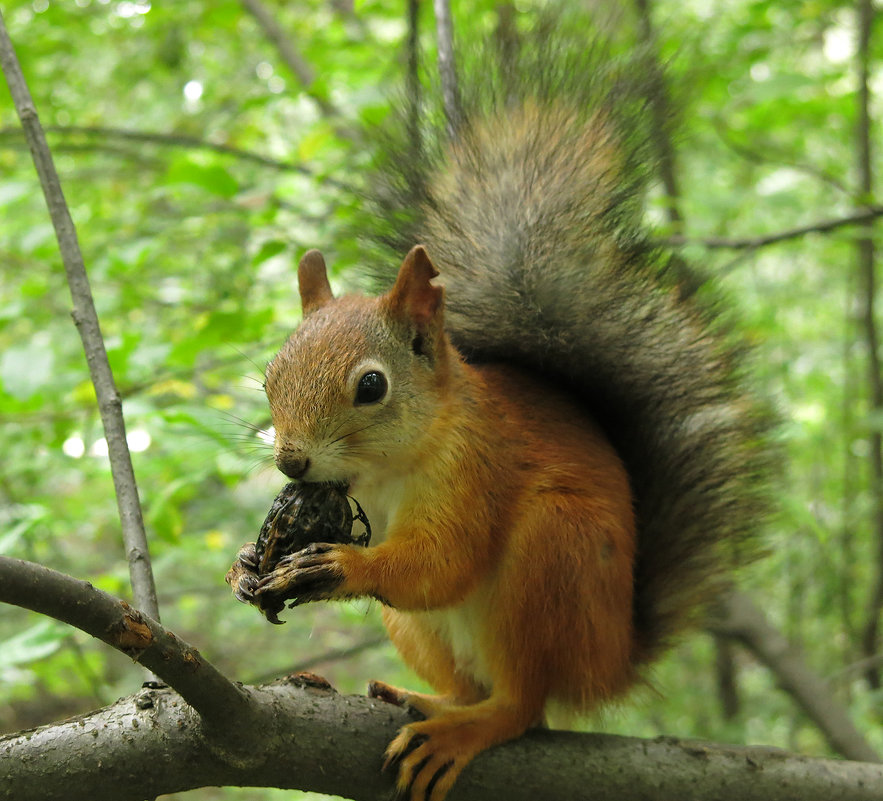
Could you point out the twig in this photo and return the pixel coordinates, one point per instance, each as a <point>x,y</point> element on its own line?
<point>447,67</point>
<point>751,242</point>
<point>137,635</point>
<point>334,655</point>
<point>866,262</point>
<point>174,140</point>
<point>661,116</point>
<point>771,157</point>
<point>857,667</point>
<point>289,53</point>
<point>414,93</point>
<point>86,320</point>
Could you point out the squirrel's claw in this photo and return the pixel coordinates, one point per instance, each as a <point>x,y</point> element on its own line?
<point>242,575</point>
<point>311,574</point>
<point>425,770</point>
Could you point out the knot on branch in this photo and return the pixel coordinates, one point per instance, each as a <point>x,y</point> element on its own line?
<point>130,634</point>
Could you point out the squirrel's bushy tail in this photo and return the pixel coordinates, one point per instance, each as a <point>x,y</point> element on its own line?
<point>532,213</point>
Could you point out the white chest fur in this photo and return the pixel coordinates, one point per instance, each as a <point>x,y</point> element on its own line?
<point>380,501</point>
<point>462,629</point>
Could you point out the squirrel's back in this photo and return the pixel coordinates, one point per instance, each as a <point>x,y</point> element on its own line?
<point>532,211</point>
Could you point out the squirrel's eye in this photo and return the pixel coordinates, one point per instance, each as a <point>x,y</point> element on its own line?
<point>371,388</point>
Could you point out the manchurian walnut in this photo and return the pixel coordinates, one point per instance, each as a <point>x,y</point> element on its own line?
<point>301,514</point>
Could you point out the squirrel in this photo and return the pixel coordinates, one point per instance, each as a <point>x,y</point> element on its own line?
<point>549,431</point>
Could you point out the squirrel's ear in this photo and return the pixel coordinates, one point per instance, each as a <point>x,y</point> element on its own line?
<point>412,293</point>
<point>312,281</point>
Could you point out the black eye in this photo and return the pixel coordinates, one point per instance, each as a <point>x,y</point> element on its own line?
<point>371,388</point>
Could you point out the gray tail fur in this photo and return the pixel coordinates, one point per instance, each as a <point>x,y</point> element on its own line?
<point>532,212</point>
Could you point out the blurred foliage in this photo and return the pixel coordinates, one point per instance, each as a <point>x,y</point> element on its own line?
<point>190,253</point>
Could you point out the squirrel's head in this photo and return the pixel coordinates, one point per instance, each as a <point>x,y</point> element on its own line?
<point>357,384</point>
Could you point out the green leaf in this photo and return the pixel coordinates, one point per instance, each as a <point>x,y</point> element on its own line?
<point>212,177</point>
<point>37,642</point>
<point>270,248</point>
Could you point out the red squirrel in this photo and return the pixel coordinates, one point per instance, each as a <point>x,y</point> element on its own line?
<point>546,429</point>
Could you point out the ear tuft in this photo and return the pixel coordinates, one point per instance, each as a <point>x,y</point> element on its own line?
<point>312,280</point>
<point>413,295</point>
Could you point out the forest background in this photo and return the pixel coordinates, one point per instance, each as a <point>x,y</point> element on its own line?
<point>203,146</point>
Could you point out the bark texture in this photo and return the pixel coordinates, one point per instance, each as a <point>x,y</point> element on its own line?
<point>313,739</point>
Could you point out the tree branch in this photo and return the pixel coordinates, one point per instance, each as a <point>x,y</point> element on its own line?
<point>661,116</point>
<point>750,243</point>
<point>768,155</point>
<point>166,140</point>
<point>289,54</point>
<point>447,67</point>
<point>414,93</point>
<point>310,738</point>
<point>333,655</point>
<point>114,622</point>
<point>866,262</point>
<point>314,739</point>
<point>742,620</point>
<point>86,320</point>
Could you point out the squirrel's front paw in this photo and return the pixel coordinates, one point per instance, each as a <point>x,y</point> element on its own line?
<point>312,574</point>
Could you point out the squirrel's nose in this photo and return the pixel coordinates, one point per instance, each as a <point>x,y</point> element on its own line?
<point>293,466</point>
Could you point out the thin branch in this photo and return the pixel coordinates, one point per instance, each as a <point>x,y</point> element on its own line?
<point>769,155</point>
<point>414,93</point>
<point>114,622</point>
<point>334,655</point>
<point>857,668</point>
<point>741,619</point>
<point>166,140</point>
<point>86,320</point>
<point>866,261</point>
<point>13,139</point>
<point>867,215</point>
<point>725,670</point>
<point>661,116</point>
<point>447,67</point>
<point>508,47</point>
<point>289,54</point>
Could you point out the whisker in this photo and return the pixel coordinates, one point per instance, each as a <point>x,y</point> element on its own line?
<point>242,422</point>
<point>351,433</point>
<point>261,370</point>
<point>257,465</point>
<point>336,428</point>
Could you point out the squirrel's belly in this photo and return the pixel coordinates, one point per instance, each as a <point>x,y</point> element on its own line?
<point>461,629</point>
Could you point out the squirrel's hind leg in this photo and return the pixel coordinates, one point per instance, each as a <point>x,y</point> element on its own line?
<point>430,754</point>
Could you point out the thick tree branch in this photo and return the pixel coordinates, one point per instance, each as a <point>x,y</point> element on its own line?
<point>862,217</point>
<point>741,619</point>
<point>109,402</point>
<point>309,738</point>
<point>314,739</point>
<point>114,622</point>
